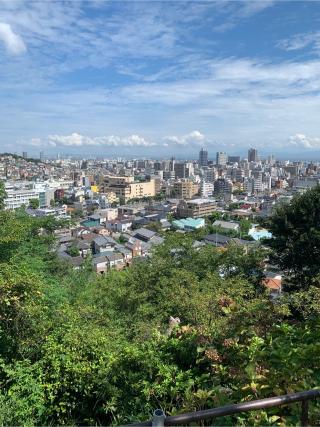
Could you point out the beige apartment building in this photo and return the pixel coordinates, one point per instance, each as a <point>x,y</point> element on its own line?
<point>196,208</point>
<point>125,187</point>
<point>185,189</point>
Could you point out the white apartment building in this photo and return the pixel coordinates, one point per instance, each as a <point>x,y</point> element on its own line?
<point>221,158</point>
<point>210,175</point>
<point>206,189</point>
<point>17,198</point>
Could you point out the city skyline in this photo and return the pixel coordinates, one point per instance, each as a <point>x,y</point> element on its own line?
<point>211,157</point>
<point>143,79</point>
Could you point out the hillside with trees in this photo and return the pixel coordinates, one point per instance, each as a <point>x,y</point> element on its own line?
<point>81,349</point>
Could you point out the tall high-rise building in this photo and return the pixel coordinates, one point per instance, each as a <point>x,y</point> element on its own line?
<point>181,170</point>
<point>25,155</point>
<point>221,158</point>
<point>203,157</point>
<point>172,164</point>
<point>252,155</point>
<point>157,166</point>
<point>41,156</point>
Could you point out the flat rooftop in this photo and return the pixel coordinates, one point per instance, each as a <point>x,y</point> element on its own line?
<point>201,201</point>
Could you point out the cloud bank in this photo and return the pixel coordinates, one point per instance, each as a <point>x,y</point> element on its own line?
<point>194,137</point>
<point>302,141</point>
<point>77,140</point>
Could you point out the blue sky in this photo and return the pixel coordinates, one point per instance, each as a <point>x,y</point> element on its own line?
<point>160,78</point>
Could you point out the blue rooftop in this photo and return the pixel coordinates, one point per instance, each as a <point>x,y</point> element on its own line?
<point>259,233</point>
<point>189,223</point>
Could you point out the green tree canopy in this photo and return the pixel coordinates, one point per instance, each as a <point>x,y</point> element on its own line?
<point>34,203</point>
<point>3,194</point>
<point>73,251</point>
<point>77,348</point>
<point>296,237</point>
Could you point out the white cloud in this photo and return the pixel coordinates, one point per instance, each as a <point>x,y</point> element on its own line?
<point>77,140</point>
<point>12,41</point>
<point>220,80</point>
<point>300,41</point>
<point>236,11</point>
<point>249,8</point>
<point>193,137</point>
<point>302,141</point>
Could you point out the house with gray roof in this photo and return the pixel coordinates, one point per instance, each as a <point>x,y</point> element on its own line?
<point>103,244</point>
<point>115,260</point>
<point>100,264</point>
<point>126,253</point>
<point>144,234</point>
<point>226,225</point>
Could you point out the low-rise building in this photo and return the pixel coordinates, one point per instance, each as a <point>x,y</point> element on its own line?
<point>144,234</point>
<point>126,188</point>
<point>103,244</point>
<point>273,285</point>
<point>185,189</point>
<point>134,245</point>
<point>220,240</point>
<point>188,224</point>
<point>226,225</point>
<point>17,198</point>
<point>195,208</point>
<point>119,225</point>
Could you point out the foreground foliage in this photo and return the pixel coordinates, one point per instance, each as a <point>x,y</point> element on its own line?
<point>296,242</point>
<point>76,348</point>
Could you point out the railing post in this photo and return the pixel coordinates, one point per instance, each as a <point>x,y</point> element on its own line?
<point>304,413</point>
<point>158,418</point>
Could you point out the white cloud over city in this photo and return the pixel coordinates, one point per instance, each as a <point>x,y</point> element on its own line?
<point>303,141</point>
<point>158,74</point>
<point>194,137</point>
<point>77,140</point>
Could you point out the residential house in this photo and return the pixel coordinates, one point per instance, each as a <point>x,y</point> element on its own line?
<point>119,225</point>
<point>115,260</point>
<point>126,253</point>
<point>76,262</point>
<point>67,238</point>
<point>230,226</point>
<point>220,240</point>
<point>102,231</point>
<point>103,244</point>
<point>107,214</point>
<point>100,264</point>
<point>216,239</point>
<point>165,224</point>
<point>144,234</point>
<point>134,245</point>
<point>88,237</point>
<point>79,231</point>
<point>84,248</point>
<point>274,285</point>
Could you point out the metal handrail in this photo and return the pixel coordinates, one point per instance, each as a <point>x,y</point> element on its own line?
<point>253,405</point>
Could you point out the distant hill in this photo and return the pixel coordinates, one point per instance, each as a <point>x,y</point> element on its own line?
<point>16,156</point>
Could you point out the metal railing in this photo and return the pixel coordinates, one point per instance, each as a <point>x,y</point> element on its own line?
<point>159,419</point>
